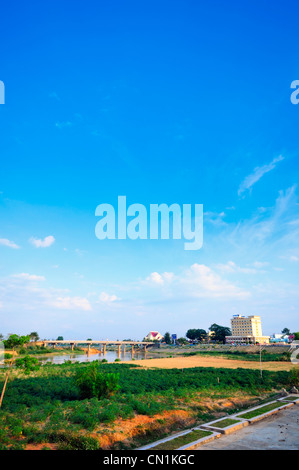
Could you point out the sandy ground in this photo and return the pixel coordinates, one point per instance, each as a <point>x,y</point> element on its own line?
<point>200,361</point>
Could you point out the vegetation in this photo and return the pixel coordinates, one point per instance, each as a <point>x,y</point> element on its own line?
<point>224,423</point>
<point>196,334</point>
<point>294,376</point>
<point>219,332</point>
<point>244,356</point>
<point>167,338</point>
<point>94,383</point>
<point>27,364</point>
<point>181,441</point>
<point>63,404</point>
<point>261,411</point>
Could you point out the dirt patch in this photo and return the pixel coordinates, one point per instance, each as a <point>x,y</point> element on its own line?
<point>142,429</point>
<point>41,446</point>
<point>125,431</point>
<point>200,361</point>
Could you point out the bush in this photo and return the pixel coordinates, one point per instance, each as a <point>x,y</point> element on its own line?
<point>94,383</point>
<point>294,376</point>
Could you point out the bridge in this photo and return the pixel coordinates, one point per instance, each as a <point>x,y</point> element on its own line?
<point>101,343</point>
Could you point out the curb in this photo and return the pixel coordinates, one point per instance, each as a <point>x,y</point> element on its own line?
<point>228,429</point>
<point>268,413</point>
<point>204,440</point>
<point>218,432</point>
<point>166,439</point>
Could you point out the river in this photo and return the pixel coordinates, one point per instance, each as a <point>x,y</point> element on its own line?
<point>110,356</point>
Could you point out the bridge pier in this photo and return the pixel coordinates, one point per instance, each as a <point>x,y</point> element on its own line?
<point>119,350</point>
<point>132,350</point>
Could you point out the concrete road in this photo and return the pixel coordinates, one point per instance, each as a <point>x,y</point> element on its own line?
<point>277,432</point>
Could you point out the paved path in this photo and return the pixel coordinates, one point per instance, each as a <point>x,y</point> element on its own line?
<point>277,432</point>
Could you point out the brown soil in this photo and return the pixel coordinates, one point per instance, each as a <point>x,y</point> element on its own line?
<point>130,431</point>
<point>201,361</point>
<point>49,446</point>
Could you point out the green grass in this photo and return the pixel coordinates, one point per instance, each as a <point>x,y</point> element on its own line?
<point>260,411</point>
<point>290,398</point>
<point>243,355</point>
<point>224,423</point>
<point>181,441</point>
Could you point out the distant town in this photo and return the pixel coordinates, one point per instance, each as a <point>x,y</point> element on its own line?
<point>244,330</point>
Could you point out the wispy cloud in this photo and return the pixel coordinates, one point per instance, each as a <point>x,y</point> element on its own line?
<point>29,277</point>
<point>9,243</point>
<point>45,243</point>
<point>257,174</point>
<point>106,298</point>
<point>71,303</point>
<point>54,95</point>
<point>63,124</point>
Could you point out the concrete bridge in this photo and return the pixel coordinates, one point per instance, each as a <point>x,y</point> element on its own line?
<point>101,343</point>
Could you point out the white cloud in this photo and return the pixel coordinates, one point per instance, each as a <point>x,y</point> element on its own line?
<point>202,281</point>
<point>68,303</point>
<point>257,174</point>
<point>29,277</point>
<point>8,243</point>
<point>160,279</point>
<point>104,297</point>
<point>231,267</point>
<point>197,281</point>
<point>39,243</point>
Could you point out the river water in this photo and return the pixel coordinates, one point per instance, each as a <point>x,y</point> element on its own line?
<point>110,356</point>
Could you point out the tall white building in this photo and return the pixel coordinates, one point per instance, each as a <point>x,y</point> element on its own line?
<point>247,330</point>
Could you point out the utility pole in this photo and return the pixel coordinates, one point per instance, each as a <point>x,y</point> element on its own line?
<point>261,361</point>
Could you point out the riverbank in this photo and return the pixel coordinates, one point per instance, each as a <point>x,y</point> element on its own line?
<point>45,409</point>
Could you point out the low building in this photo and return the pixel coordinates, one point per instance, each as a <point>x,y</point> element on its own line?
<point>153,336</point>
<point>279,338</point>
<point>246,330</point>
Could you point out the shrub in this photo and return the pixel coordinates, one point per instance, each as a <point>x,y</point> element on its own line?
<point>294,376</point>
<point>94,383</point>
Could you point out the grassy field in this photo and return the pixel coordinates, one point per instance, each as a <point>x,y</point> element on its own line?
<point>45,408</point>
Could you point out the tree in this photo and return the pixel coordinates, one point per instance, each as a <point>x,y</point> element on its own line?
<point>33,336</point>
<point>167,338</point>
<point>296,336</point>
<point>60,338</point>
<point>286,331</point>
<point>12,342</point>
<point>220,332</point>
<point>181,341</point>
<point>196,334</point>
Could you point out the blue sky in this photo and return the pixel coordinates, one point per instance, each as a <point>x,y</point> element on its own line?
<point>164,102</point>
